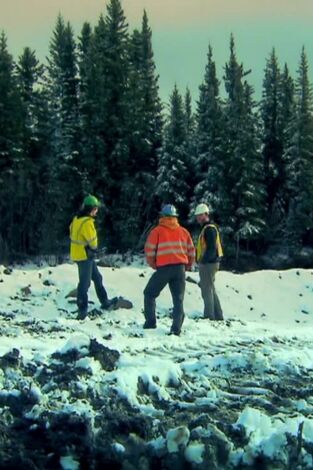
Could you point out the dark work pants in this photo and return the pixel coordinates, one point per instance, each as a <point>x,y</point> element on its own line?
<point>212,306</point>
<point>174,276</point>
<point>88,271</point>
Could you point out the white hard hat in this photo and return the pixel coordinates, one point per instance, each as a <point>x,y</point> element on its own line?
<point>202,209</point>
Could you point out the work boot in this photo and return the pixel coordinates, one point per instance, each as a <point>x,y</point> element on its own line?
<point>174,332</point>
<point>148,325</point>
<point>122,303</point>
<point>81,315</point>
<point>109,304</point>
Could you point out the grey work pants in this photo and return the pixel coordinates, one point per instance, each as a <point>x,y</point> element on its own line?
<point>212,306</point>
<point>174,276</point>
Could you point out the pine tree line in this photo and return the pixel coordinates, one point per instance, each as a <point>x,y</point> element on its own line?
<point>91,121</point>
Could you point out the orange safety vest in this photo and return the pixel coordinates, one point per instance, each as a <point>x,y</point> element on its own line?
<point>169,243</point>
<point>201,244</point>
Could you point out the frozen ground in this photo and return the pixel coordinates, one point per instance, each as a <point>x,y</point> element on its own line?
<point>103,391</point>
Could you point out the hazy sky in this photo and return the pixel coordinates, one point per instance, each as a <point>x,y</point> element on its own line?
<point>182,30</point>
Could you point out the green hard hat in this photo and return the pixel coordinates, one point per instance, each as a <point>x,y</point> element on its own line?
<point>91,201</point>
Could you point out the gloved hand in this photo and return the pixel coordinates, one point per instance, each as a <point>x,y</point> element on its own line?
<point>91,253</point>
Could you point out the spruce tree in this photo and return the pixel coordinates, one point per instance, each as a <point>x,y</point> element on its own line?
<point>152,107</point>
<point>190,129</point>
<point>10,148</point>
<point>136,190</point>
<point>273,145</point>
<point>30,173</point>
<point>172,171</point>
<point>92,148</point>
<point>209,163</point>
<point>144,130</point>
<point>251,210</point>
<point>233,116</point>
<point>112,74</point>
<point>189,116</point>
<point>64,180</point>
<point>94,117</point>
<point>287,108</point>
<point>287,100</point>
<point>115,92</point>
<point>299,155</point>
<point>242,177</point>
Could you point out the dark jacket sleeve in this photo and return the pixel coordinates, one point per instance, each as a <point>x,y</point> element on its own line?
<point>210,254</point>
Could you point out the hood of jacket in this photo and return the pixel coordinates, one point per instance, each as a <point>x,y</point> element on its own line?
<point>169,222</point>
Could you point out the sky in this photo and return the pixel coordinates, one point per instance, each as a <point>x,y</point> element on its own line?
<point>253,369</point>
<point>182,31</point>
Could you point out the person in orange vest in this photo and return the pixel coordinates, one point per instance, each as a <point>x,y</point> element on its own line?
<point>84,244</point>
<point>208,254</point>
<point>170,251</point>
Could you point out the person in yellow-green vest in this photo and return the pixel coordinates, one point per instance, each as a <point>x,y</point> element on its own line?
<point>208,255</point>
<point>84,244</point>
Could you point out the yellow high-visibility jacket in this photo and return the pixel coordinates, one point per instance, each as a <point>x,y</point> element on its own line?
<point>82,234</point>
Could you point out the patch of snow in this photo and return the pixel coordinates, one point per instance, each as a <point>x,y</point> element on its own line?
<point>194,452</point>
<point>69,463</point>
<point>76,342</point>
<point>176,438</point>
<point>118,447</point>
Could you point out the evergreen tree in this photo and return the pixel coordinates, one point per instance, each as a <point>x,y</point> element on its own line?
<point>115,92</point>
<point>10,147</point>
<point>94,76</point>
<point>64,180</point>
<point>242,176</point>
<point>144,130</point>
<point>112,75</point>
<point>34,144</point>
<point>250,211</point>
<point>92,148</point>
<point>190,129</point>
<point>271,111</point>
<point>233,112</point>
<point>172,171</point>
<point>287,101</point>
<point>189,116</point>
<point>299,155</point>
<point>285,118</point>
<point>209,164</point>
<point>62,69</point>
<point>152,107</point>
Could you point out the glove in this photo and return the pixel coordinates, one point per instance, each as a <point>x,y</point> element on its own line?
<point>91,252</point>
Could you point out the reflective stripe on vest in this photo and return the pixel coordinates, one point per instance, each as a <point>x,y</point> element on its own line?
<point>201,245</point>
<point>178,247</point>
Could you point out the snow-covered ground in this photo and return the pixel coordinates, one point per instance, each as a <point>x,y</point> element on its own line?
<point>243,385</point>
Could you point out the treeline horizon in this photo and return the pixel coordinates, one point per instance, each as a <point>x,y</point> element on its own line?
<point>91,120</point>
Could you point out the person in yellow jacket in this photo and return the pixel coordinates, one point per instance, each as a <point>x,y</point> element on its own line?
<point>209,253</point>
<point>84,244</point>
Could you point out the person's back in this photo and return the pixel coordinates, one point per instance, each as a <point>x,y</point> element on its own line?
<point>169,249</point>
<point>82,234</point>
<point>169,243</point>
